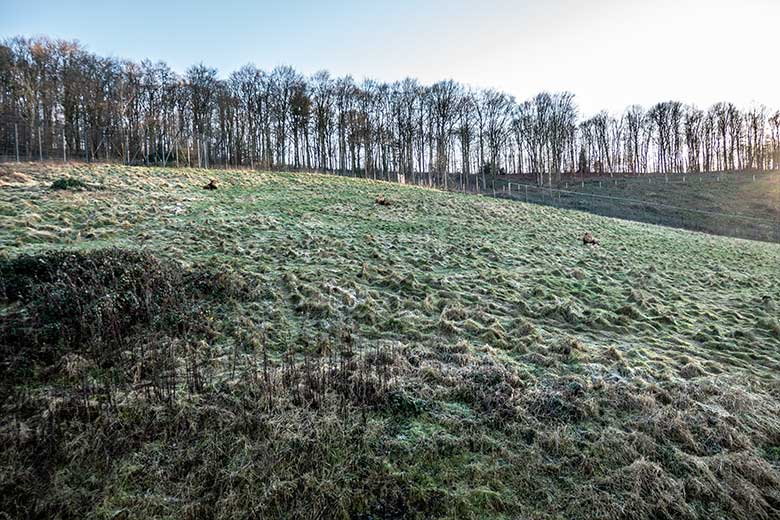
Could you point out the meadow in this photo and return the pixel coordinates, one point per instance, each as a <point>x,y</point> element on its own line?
<point>285,347</point>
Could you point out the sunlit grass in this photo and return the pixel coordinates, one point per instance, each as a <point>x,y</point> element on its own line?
<point>539,376</point>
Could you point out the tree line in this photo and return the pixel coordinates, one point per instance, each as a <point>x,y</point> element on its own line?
<point>58,99</point>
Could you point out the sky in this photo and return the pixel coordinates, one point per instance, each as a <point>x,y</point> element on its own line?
<point>609,53</point>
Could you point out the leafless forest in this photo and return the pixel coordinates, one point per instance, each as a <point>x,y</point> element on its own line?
<point>58,100</point>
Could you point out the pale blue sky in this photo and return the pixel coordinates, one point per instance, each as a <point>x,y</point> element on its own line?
<point>610,53</point>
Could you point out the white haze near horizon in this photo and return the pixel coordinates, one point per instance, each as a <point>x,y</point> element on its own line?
<point>609,53</point>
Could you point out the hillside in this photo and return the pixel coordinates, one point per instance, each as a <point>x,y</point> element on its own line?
<point>283,346</point>
<point>738,204</point>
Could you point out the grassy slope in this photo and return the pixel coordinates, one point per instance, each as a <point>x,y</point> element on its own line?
<point>724,195</point>
<point>744,193</point>
<point>634,379</point>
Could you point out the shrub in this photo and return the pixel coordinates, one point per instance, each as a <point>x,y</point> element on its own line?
<point>67,183</point>
<point>101,305</point>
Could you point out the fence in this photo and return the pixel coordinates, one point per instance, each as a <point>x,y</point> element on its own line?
<point>714,222</point>
<point>20,141</point>
<point>627,208</point>
<point>591,196</point>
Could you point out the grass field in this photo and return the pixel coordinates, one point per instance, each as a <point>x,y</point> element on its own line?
<point>285,347</point>
<point>744,205</point>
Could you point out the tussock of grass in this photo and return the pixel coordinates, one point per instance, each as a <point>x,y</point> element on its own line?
<point>68,183</point>
<point>10,178</point>
<point>284,348</point>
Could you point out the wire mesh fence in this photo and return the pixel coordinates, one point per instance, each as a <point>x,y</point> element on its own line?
<point>590,196</point>
<point>653,212</point>
<point>638,198</point>
<point>20,141</point>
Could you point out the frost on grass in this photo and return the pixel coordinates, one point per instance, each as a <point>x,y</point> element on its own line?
<point>285,347</point>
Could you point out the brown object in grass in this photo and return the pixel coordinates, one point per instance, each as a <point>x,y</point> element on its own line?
<point>382,201</point>
<point>588,240</point>
<point>212,185</point>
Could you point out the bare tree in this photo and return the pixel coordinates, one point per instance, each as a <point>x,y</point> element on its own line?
<point>58,98</point>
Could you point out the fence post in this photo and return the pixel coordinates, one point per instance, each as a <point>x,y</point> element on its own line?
<point>64,147</point>
<point>40,145</point>
<point>16,140</point>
